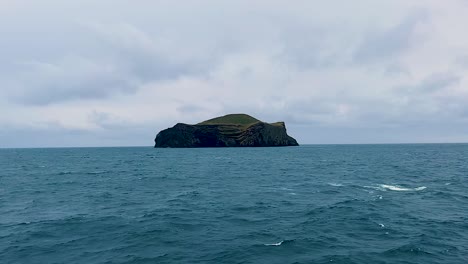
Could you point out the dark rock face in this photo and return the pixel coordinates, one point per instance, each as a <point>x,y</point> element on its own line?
<point>222,134</point>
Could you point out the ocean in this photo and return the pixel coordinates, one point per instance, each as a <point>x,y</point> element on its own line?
<point>309,204</point>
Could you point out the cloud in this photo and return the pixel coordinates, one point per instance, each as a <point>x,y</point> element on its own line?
<point>439,81</point>
<point>391,42</point>
<point>147,57</point>
<point>72,78</point>
<point>128,58</point>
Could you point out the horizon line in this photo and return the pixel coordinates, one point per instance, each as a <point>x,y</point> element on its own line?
<point>306,144</point>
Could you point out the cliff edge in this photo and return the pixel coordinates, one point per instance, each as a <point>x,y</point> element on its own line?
<point>235,130</point>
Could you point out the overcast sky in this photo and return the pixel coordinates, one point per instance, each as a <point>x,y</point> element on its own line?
<point>114,73</point>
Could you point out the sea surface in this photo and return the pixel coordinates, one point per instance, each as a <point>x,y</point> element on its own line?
<point>307,204</point>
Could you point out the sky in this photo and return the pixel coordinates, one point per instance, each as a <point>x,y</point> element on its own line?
<point>114,73</point>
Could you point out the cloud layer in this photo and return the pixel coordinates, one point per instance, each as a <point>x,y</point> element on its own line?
<point>116,72</point>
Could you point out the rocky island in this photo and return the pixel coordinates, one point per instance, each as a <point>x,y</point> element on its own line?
<point>234,130</point>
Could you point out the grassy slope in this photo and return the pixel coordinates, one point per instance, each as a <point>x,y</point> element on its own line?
<point>231,125</point>
<point>233,119</point>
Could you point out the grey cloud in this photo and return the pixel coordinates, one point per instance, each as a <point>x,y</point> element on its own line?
<point>432,83</point>
<point>396,70</point>
<point>191,108</point>
<point>56,136</point>
<point>146,52</point>
<point>386,44</point>
<point>107,120</point>
<point>145,56</point>
<point>462,61</point>
<point>73,78</point>
<point>307,47</point>
<point>438,81</point>
<point>410,133</point>
<point>120,60</point>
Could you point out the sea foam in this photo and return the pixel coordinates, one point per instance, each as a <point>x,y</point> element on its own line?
<point>401,189</point>
<point>275,244</point>
<point>385,187</point>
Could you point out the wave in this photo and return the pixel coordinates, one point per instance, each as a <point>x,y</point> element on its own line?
<point>401,189</point>
<point>385,187</point>
<point>275,244</point>
<point>279,243</point>
<point>65,173</point>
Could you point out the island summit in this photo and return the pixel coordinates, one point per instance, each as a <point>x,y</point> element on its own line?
<point>234,130</point>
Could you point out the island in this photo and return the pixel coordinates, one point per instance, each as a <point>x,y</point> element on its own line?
<point>233,130</point>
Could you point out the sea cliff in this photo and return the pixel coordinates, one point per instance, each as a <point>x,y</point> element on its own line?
<point>235,130</point>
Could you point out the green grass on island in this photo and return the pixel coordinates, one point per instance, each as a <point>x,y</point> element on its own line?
<point>232,119</point>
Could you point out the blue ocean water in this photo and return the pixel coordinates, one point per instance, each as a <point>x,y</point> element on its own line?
<point>308,204</point>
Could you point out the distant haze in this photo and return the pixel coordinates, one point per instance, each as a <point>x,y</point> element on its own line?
<point>114,73</point>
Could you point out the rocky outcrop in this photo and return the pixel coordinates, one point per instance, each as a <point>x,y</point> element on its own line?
<point>236,130</point>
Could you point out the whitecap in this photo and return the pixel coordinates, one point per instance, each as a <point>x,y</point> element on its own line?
<point>373,187</point>
<point>401,189</point>
<point>385,187</point>
<point>382,225</point>
<point>275,244</point>
<point>335,184</point>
